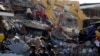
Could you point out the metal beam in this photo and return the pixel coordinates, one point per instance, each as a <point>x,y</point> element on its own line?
<point>6,14</point>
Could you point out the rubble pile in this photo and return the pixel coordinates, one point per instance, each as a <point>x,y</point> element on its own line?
<point>30,33</point>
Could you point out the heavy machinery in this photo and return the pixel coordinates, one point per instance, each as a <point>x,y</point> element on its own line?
<point>48,5</point>
<point>76,11</point>
<point>69,8</point>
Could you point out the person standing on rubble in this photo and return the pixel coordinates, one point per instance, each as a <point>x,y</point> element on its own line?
<point>29,13</point>
<point>97,41</point>
<point>36,14</point>
<point>74,34</point>
<point>61,18</point>
<point>82,36</point>
<point>42,16</point>
<point>46,20</point>
<point>97,32</point>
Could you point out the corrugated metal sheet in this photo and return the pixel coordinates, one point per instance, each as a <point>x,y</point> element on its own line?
<point>90,6</point>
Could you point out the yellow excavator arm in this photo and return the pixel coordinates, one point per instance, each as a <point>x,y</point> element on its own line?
<point>76,11</point>
<point>48,10</point>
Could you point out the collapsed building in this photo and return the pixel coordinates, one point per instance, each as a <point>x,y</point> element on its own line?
<point>25,24</point>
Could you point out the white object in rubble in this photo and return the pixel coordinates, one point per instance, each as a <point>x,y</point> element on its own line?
<point>55,46</point>
<point>17,37</point>
<point>68,49</point>
<point>44,25</point>
<point>28,10</point>
<point>69,45</point>
<point>97,43</point>
<point>6,25</point>
<point>2,7</point>
<point>41,51</point>
<point>84,51</point>
<point>66,8</point>
<point>73,45</point>
<point>52,50</point>
<point>46,52</point>
<point>26,47</point>
<point>90,50</point>
<point>88,43</point>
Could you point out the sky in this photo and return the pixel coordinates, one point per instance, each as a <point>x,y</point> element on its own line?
<point>89,1</point>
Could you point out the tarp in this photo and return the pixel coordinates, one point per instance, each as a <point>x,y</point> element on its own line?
<point>17,48</point>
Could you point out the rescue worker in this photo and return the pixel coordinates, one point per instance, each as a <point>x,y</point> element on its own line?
<point>29,14</point>
<point>74,35</point>
<point>61,18</point>
<point>97,41</point>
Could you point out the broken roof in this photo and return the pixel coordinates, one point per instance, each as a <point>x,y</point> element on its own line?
<point>95,6</point>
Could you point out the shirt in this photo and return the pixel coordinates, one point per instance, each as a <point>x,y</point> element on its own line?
<point>97,43</point>
<point>28,10</point>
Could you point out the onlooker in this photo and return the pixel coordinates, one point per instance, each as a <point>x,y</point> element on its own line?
<point>29,14</point>
<point>97,32</point>
<point>82,36</point>
<point>74,34</point>
<point>97,41</point>
<point>61,18</point>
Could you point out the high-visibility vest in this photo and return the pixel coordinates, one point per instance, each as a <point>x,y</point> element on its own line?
<point>2,37</point>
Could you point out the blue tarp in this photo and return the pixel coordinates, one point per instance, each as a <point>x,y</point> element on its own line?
<point>17,48</point>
